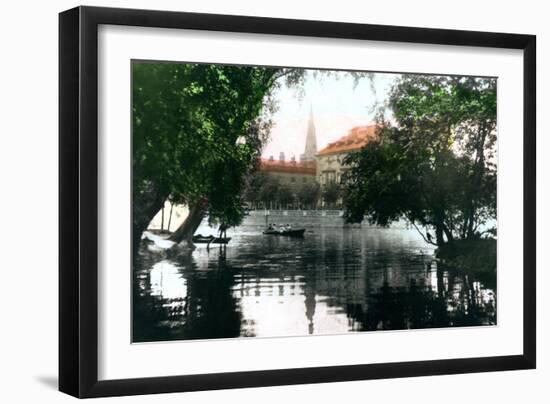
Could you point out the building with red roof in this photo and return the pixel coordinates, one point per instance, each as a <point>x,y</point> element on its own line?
<point>322,167</point>
<point>330,159</point>
<point>290,172</point>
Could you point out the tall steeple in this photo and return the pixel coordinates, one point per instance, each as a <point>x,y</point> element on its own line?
<point>311,139</point>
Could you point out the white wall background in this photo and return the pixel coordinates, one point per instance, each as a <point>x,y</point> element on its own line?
<point>28,178</point>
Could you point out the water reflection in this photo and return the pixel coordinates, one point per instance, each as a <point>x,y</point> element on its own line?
<point>332,281</point>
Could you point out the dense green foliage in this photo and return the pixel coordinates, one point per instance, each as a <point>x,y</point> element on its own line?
<point>265,191</point>
<point>197,133</point>
<point>435,164</point>
<point>260,189</point>
<point>331,193</point>
<point>308,194</point>
<point>193,128</point>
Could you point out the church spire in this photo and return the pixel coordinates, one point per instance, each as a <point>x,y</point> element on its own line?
<point>311,138</point>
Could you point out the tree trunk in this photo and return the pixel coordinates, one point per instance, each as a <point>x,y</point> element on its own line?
<point>440,227</point>
<point>191,223</point>
<point>448,234</point>
<point>478,179</point>
<point>439,236</point>
<point>170,217</point>
<point>162,218</point>
<point>145,206</point>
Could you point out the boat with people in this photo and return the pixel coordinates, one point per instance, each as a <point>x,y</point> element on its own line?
<point>284,230</point>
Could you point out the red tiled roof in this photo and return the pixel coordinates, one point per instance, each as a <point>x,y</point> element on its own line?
<point>291,167</point>
<point>354,140</point>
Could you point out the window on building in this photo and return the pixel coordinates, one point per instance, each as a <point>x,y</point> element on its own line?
<point>329,176</point>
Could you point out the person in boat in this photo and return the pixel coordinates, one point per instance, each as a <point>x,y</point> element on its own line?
<point>282,228</point>
<point>222,231</point>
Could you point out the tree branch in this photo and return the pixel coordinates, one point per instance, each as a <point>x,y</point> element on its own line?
<point>422,234</point>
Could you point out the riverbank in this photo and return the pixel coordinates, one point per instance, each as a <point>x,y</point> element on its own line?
<point>312,218</point>
<point>305,218</point>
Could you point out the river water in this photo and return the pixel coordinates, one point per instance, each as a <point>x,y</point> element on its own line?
<point>332,281</point>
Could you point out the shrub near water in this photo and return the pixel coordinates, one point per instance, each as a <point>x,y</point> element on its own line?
<point>478,257</point>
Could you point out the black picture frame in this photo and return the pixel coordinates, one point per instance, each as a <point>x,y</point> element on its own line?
<point>78,201</point>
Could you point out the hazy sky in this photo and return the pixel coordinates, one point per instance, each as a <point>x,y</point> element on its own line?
<point>337,105</point>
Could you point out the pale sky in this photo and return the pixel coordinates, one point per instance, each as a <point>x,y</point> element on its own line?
<point>337,106</point>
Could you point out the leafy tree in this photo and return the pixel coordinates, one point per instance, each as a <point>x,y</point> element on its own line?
<point>254,184</point>
<point>436,166</point>
<point>332,193</point>
<point>197,132</point>
<point>268,191</point>
<point>308,194</point>
<point>284,195</point>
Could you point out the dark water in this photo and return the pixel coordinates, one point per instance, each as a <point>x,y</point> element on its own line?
<point>331,281</point>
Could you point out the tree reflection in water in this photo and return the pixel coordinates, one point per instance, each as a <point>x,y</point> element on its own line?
<point>202,306</point>
<point>419,306</point>
<point>333,281</point>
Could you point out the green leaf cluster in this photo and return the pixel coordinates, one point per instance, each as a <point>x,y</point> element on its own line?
<point>434,162</point>
<point>197,131</point>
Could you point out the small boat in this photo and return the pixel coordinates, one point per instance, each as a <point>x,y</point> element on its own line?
<point>200,239</point>
<point>287,232</point>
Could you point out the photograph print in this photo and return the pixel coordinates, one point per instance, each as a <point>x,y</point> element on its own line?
<point>280,201</point>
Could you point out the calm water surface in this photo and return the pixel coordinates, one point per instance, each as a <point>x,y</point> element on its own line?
<point>331,281</point>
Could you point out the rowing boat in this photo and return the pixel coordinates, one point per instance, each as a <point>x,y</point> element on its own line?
<point>288,233</point>
<point>200,239</point>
